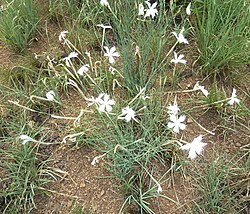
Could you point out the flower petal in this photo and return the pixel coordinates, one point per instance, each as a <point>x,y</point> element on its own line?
<point>111,60</point>
<point>192,154</point>
<point>108,108</point>
<point>171,125</point>
<point>102,108</point>
<point>186,146</point>
<point>182,126</point>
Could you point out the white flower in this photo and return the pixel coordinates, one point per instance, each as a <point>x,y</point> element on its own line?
<point>62,35</point>
<point>105,104</point>
<point>233,98</point>
<point>151,11</point>
<point>111,53</point>
<point>188,9</point>
<point>159,189</point>
<point>104,2</point>
<point>195,148</point>
<point>87,53</point>
<point>180,37</point>
<point>73,83</point>
<point>95,161</point>
<point>178,59</point>
<point>99,98</point>
<point>141,10</point>
<point>202,88</point>
<point>127,114</point>
<point>104,26</point>
<point>102,101</point>
<point>25,139</point>
<point>84,69</point>
<point>68,58</point>
<point>93,100</point>
<point>112,70</point>
<point>173,109</point>
<point>177,123</point>
<point>50,95</point>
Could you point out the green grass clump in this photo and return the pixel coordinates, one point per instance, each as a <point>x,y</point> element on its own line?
<point>222,33</point>
<point>23,178</point>
<point>18,21</point>
<point>142,44</point>
<point>223,186</point>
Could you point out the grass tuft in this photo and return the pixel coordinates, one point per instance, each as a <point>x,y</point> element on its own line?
<point>222,34</point>
<point>18,21</point>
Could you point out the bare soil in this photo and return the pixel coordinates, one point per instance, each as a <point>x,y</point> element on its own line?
<point>80,184</point>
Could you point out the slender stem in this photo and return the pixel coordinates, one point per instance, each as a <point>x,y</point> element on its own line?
<point>212,133</point>
<point>103,35</point>
<point>72,136</point>
<point>24,107</point>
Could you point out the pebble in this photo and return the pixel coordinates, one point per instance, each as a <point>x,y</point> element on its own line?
<point>101,194</point>
<point>82,184</point>
<point>188,178</point>
<point>189,120</point>
<point>69,204</point>
<point>238,144</point>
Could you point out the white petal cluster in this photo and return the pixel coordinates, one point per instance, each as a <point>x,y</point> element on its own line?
<point>141,10</point>
<point>62,36</point>
<point>95,161</point>
<point>201,88</point>
<point>111,53</point>
<point>180,37</point>
<point>188,9</point>
<point>25,139</point>
<point>178,59</point>
<point>69,57</point>
<point>50,95</point>
<point>233,98</point>
<point>173,109</point>
<point>104,2</point>
<point>103,102</point>
<point>127,114</point>
<point>195,148</point>
<point>152,10</point>
<point>83,70</point>
<point>176,123</point>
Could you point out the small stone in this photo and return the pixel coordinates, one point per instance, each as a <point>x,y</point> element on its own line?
<point>82,184</point>
<point>69,204</point>
<point>189,120</point>
<point>101,194</point>
<point>189,86</point>
<point>238,144</point>
<point>188,178</point>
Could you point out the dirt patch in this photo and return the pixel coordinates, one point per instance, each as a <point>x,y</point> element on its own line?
<point>80,183</point>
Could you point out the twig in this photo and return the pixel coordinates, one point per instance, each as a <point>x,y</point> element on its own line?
<point>62,194</point>
<point>71,136</point>
<point>212,133</point>
<point>19,105</point>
